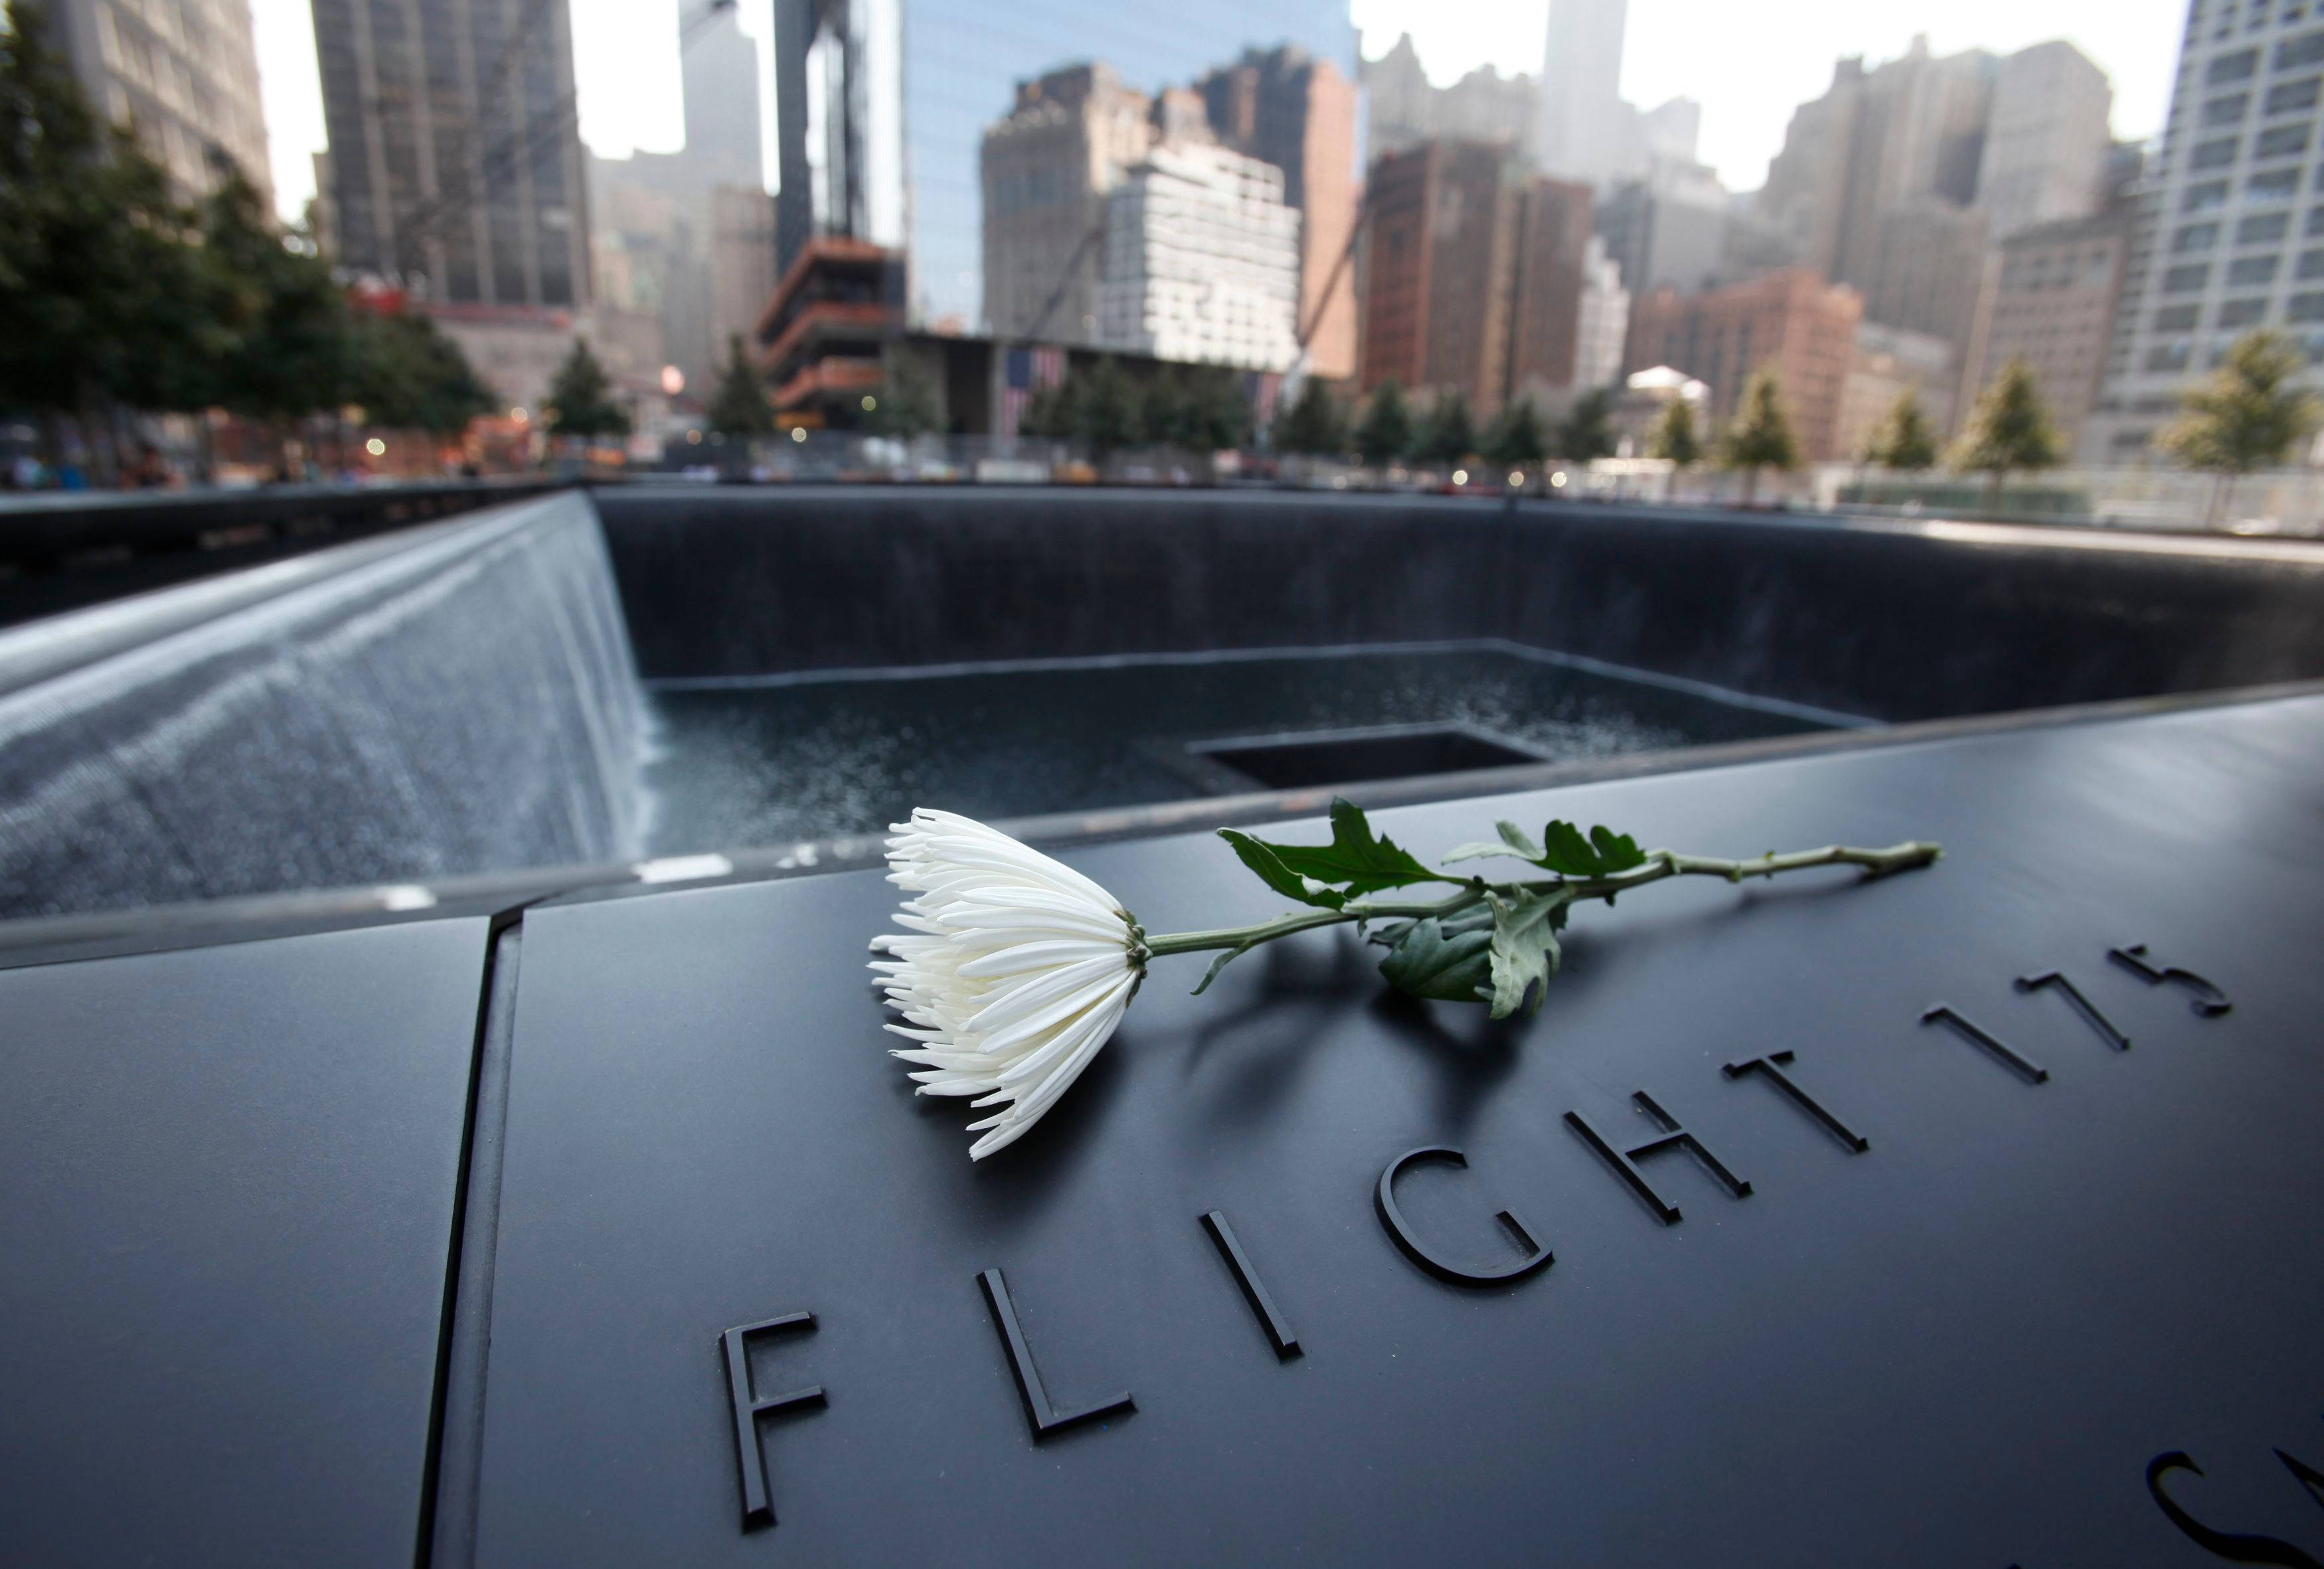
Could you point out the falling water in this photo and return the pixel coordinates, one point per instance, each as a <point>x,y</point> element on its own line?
<point>460,698</point>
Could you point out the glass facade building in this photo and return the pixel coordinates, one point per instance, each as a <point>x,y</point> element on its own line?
<point>959,64</point>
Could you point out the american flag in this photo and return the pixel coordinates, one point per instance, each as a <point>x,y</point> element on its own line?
<point>1027,370</point>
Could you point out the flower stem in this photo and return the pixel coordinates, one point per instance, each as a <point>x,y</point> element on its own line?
<point>1657,865</point>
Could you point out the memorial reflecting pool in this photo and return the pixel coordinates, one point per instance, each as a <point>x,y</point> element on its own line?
<point>795,758</point>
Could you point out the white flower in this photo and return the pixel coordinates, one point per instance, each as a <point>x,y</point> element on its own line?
<point>1013,972</point>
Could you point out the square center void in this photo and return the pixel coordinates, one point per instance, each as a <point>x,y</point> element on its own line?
<point>1296,761</point>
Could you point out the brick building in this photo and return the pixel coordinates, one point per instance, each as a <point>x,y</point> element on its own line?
<point>1474,274</point>
<point>1792,322</point>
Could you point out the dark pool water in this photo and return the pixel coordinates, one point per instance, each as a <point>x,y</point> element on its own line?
<point>758,765</point>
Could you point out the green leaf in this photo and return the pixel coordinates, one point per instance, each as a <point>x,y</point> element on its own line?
<point>1563,850</point>
<point>1261,858</point>
<point>1523,949</point>
<point>1355,861</point>
<point>1429,962</point>
<point>1601,855</point>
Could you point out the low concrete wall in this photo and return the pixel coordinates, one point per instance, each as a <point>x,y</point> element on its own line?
<point>461,696</point>
<point>1899,621</point>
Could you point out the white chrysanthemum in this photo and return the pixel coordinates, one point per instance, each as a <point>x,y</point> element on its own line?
<point>1013,972</point>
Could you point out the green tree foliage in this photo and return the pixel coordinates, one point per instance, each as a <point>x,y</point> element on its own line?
<point>292,347</point>
<point>1449,435</point>
<point>1311,425</point>
<point>738,405</point>
<point>1903,439</point>
<point>581,398</point>
<point>1516,435</point>
<point>2009,429</point>
<point>1587,431</point>
<point>1386,433</point>
<point>907,403</point>
<point>1674,439</point>
<point>1201,408</point>
<point>101,295</point>
<point>410,376</point>
<point>1106,412</point>
<point>1761,434</point>
<point>2244,416</point>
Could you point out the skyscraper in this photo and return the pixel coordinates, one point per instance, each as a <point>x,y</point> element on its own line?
<point>1047,170</point>
<point>926,78</point>
<point>1791,322</point>
<point>1285,107</point>
<point>1586,129</point>
<point>1475,272</point>
<point>2047,142</point>
<point>2228,237</point>
<point>1201,260</point>
<point>184,74</point>
<point>455,153</point>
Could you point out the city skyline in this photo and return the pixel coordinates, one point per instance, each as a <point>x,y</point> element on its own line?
<point>626,62</point>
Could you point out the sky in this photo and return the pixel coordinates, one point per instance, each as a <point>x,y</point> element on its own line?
<point>1748,65</point>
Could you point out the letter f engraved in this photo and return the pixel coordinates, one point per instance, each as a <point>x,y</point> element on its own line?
<point>749,1406</point>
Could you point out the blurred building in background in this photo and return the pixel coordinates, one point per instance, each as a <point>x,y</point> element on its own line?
<point>1890,363</point>
<point>882,107</point>
<point>1047,170</point>
<point>1201,260</point>
<point>2226,236</point>
<point>456,159</point>
<point>822,336</point>
<point>1405,109</point>
<point>1603,321</point>
<point>701,214</point>
<point>1475,275</point>
<point>184,74</point>
<point>1288,109</point>
<point>1792,323</point>
<point>2054,308</point>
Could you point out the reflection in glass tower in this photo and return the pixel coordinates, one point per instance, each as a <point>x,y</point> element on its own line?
<point>846,94</point>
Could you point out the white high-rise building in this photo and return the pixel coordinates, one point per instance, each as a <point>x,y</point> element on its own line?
<point>184,73</point>
<point>2228,236</point>
<point>1587,131</point>
<point>2046,141</point>
<point>1201,260</point>
<point>1604,319</point>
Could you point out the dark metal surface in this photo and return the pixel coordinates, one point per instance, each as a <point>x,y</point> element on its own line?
<point>1893,620</point>
<point>227,1186</point>
<point>1963,1345</point>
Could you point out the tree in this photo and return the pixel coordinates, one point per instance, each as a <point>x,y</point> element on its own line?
<point>1312,424</point>
<point>1449,436</point>
<point>1386,433</point>
<point>905,404</point>
<point>410,376</point>
<point>2009,429</point>
<point>2244,416</point>
<point>1902,439</point>
<point>1516,437</point>
<point>1674,441</point>
<point>1216,410</point>
<point>102,296</point>
<point>1588,430</point>
<point>738,405</point>
<point>581,398</point>
<point>1105,410</point>
<point>1761,434</point>
<point>292,347</point>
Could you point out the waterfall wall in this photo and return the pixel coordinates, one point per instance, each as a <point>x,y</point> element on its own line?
<point>452,698</point>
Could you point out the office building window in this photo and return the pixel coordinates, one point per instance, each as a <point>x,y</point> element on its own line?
<point>2293,53</point>
<point>2203,197</point>
<point>2283,142</point>
<point>2262,229</point>
<point>2186,279</point>
<point>2231,68</point>
<point>2175,318</point>
<point>2250,270</point>
<point>2285,97</point>
<point>2306,308</point>
<point>2202,236</point>
<point>2242,312</point>
<point>2215,154</point>
<point>2226,111</point>
<point>2275,185</point>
